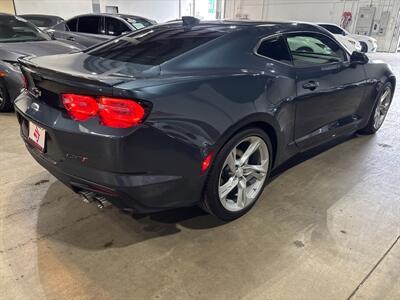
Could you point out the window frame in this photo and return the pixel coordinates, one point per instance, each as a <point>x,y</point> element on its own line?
<point>285,34</point>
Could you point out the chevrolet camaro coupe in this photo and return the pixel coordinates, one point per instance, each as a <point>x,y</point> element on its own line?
<point>195,113</point>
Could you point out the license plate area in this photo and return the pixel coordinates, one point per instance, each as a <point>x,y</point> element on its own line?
<point>37,136</point>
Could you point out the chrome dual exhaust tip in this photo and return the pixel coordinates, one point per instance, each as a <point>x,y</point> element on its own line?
<point>86,196</point>
<point>90,197</point>
<point>102,202</point>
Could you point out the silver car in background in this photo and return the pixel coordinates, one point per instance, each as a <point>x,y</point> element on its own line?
<point>20,38</point>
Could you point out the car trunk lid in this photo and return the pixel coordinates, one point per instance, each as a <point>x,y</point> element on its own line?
<point>48,77</point>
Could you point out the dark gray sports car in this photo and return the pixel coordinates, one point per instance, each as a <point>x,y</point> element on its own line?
<point>194,112</point>
<point>19,38</point>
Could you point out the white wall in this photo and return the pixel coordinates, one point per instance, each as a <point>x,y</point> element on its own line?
<point>159,10</point>
<point>317,11</point>
<point>62,8</point>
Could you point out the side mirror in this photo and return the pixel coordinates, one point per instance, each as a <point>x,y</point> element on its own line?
<point>358,58</point>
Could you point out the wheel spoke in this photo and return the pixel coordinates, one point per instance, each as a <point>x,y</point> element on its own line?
<point>242,196</point>
<point>377,118</point>
<point>250,150</point>
<point>257,171</point>
<point>231,160</point>
<point>385,94</point>
<point>226,188</point>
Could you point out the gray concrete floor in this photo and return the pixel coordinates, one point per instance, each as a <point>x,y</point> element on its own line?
<point>327,228</point>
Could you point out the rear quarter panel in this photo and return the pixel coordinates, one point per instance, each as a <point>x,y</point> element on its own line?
<point>203,111</point>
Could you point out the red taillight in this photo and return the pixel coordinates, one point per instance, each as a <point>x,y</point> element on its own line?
<point>80,107</point>
<point>120,113</point>
<point>113,112</point>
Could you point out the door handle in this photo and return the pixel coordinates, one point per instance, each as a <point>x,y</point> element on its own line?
<point>70,38</point>
<point>311,85</point>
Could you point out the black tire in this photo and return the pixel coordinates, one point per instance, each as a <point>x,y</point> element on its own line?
<point>5,103</point>
<point>211,202</point>
<point>364,47</point>
<point>370,128</point>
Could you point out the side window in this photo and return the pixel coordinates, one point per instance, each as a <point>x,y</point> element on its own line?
<point>314,49</point>
<point>276,49</point>
<point>334,29</point>
<point>115,27</point>
<point>72,24</point>
<point>61,26</point>
<point>89,24</point>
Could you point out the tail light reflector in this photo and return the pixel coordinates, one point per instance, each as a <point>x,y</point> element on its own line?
<point>80,107</point>
<point>113,112</point>
<point>120,113</point>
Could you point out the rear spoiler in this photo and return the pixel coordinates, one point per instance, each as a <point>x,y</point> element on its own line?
<point>28,66</point>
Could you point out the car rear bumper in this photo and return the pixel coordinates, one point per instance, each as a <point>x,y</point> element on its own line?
<point>143,190</point>
<point>144,194</point>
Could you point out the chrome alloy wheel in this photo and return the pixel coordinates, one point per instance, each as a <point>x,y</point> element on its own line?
<point>243,174</point>
<point>1,97</point>
<point>382,108</point>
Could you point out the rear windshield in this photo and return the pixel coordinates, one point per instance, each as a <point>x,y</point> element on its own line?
<point>42,21</point>
<point>14,29</point>
<point>155,45</point>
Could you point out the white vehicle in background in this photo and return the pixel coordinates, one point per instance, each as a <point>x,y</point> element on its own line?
<point>367,44</point>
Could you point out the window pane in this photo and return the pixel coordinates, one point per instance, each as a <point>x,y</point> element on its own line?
<point>89,24</point>
<point>275,49</point>
<point>115,27</point>
<point>155,46</point>
<point>312,49</point>
<point>333,29</point>
<point>14,29</point>
<point>72,24</point>
<point>40,22</point>
<point>137,23</point>
<point>61,26</point>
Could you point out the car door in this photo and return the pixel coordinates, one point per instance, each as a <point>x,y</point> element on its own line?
<point>329,89</point>
<point>85,30</point>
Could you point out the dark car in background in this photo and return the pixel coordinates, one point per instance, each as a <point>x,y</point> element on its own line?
<point>19,38</point>
<point>91,29</point>
<point>193,112</point>
<point>43,21</point>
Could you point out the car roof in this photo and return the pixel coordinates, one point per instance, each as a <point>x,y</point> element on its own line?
<point>266,27</point>
<point>40,15</point>
<point>333,24</point>
<point>110,15</point>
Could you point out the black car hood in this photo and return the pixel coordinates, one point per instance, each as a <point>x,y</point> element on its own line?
<point>13,51</point>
